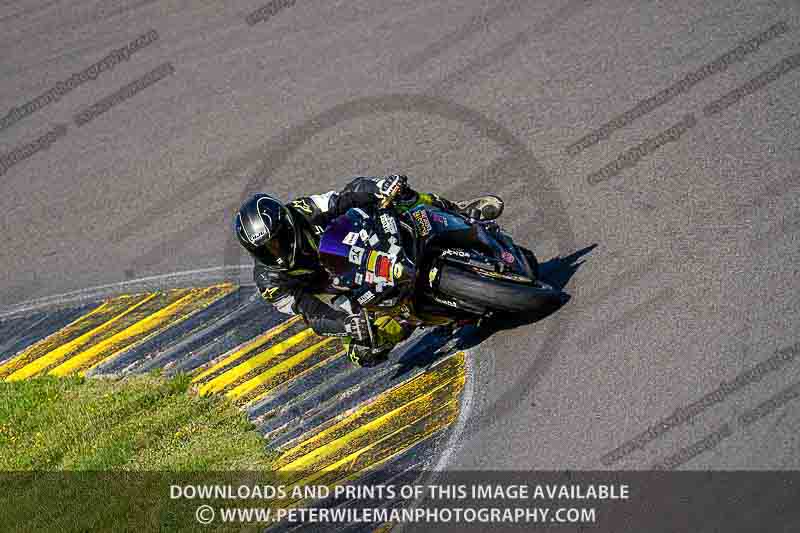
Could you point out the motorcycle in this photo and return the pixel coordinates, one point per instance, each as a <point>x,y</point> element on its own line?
<point>429,267</point>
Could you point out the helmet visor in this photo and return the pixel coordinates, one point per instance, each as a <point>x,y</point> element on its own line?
<point>278,252</point>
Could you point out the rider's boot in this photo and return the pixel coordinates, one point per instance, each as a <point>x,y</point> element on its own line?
<point>532,260</point>
<point>486,208</point>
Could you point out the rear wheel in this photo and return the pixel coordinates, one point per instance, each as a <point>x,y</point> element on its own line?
<point>496,294</point>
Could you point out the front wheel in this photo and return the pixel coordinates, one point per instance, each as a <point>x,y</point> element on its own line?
<point>496,294</point>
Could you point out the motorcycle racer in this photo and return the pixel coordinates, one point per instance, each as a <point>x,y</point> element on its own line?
<point>284,242</point>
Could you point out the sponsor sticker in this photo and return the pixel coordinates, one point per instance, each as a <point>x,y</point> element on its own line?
<point>257,237</point>
<point>432,276</point>
<point>397,271</point>
<point>383,267</point>
<point>364,235</point>
<point>351,238</point>
<point>456,252</point>
<point>373,258</point>
<point>388,223</point>
<point>356,255</point>
<point>373,240</point>
<point>389,303</point>
<point>506,275</point>
<point>380,264</point>
<point>366,298</point>
<point>359,278</point>
<point>422,222</point>
<point>439,218</point>
<point>451,303</point>
<point>394,250</point>
<point>507,257</point>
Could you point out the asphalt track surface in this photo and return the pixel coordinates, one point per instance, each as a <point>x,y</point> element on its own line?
<point>693,280</point>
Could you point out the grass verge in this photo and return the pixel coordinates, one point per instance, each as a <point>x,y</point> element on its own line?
<point>93,454</point>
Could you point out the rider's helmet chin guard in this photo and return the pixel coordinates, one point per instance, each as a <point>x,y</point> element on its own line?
<point>265,228</point>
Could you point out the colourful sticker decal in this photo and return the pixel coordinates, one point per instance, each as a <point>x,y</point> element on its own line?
<point>397,271</point>
<point>351,238</point>
<point>356,255</point>
<point>388,223</point>
<point>432,276</point>
<point>373,258</point>
<point>383,267</point>
<point>439,218</point>
<point>507,257</point>
<point>422,222</point>
<point>364,235</point>
<point>366,298</point>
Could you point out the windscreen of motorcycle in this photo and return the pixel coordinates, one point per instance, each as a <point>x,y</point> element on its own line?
<point>341,248</point>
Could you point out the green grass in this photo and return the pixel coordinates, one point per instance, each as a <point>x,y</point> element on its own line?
<point>98,454</point>
<point>141,423</point>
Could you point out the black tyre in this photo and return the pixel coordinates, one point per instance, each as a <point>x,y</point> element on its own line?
<point>496,294</point>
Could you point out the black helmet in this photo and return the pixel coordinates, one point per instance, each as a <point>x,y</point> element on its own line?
<point>266,229</point>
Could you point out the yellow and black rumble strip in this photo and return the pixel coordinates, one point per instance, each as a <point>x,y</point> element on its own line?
<point>330,421</point>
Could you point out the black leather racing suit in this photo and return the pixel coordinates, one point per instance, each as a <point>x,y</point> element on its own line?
<point>306,289</point>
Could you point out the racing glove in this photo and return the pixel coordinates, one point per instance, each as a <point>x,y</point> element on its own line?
<point>387,330</point>
<point>362,356</point>
<point>356,328</point>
